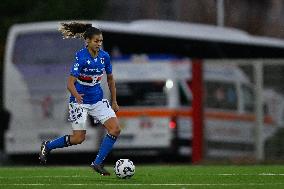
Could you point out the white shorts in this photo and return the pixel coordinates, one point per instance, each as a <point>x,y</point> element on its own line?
<point>101,111</point>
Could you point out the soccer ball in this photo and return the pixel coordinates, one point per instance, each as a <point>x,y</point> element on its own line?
<point>124,168</point>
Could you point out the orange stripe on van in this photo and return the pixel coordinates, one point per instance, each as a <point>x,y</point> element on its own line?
<point>156,112</point>
<point>236,117</point>
<point>162,112</point>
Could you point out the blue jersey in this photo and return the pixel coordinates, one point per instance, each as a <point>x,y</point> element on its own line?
<point>89,71</point>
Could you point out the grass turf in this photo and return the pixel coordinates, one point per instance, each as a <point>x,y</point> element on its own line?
<point>152,176</point>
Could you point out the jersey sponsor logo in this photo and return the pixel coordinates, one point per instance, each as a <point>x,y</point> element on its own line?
<point>88,62</point>
<point>97,70</point>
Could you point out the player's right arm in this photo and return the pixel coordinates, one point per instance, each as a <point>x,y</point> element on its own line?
<point>72,89</point>
<point>74,74</point>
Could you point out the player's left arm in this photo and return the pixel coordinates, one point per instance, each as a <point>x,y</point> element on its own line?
<point>112,89</point>
<point>111,83</point>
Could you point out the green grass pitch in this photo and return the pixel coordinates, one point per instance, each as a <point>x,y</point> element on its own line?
<point>150,176</point>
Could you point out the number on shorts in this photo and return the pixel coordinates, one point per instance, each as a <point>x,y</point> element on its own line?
<point>106,101</point>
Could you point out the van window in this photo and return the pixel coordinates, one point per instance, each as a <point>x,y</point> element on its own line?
<point>248,97</point>
<point>220,95</point>
<point>44,48</point>
<point>150,93</point>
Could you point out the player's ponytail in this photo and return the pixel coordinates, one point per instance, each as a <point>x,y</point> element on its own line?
<point>78,30</point>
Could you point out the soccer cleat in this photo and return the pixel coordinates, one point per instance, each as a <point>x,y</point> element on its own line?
<point>100,169</point>
<point>43,153</point>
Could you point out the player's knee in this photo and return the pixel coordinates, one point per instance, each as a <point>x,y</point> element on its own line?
<point>115,131</point>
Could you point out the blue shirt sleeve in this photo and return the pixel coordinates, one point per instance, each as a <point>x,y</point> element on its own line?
<point>77,66</point>
<point>108,66</point>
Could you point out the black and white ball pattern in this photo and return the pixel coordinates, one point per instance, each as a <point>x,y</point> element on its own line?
<point>124,168</point>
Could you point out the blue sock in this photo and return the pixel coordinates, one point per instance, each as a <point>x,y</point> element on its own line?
<point>105,148</point>
<point>60,142</point>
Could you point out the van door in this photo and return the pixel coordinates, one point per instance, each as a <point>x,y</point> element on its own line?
<point>144,115</point>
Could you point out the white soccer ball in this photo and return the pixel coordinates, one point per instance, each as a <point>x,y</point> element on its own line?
<point>124,168</point>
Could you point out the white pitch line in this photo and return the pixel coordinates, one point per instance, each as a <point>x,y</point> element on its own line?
<point>246,174</point>
<point>56,176</point>
<point>161,184</point>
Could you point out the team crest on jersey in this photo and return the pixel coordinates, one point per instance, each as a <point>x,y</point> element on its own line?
<point>102,60</point>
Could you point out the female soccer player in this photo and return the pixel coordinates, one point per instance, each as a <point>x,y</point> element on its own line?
<point>87,95</point>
